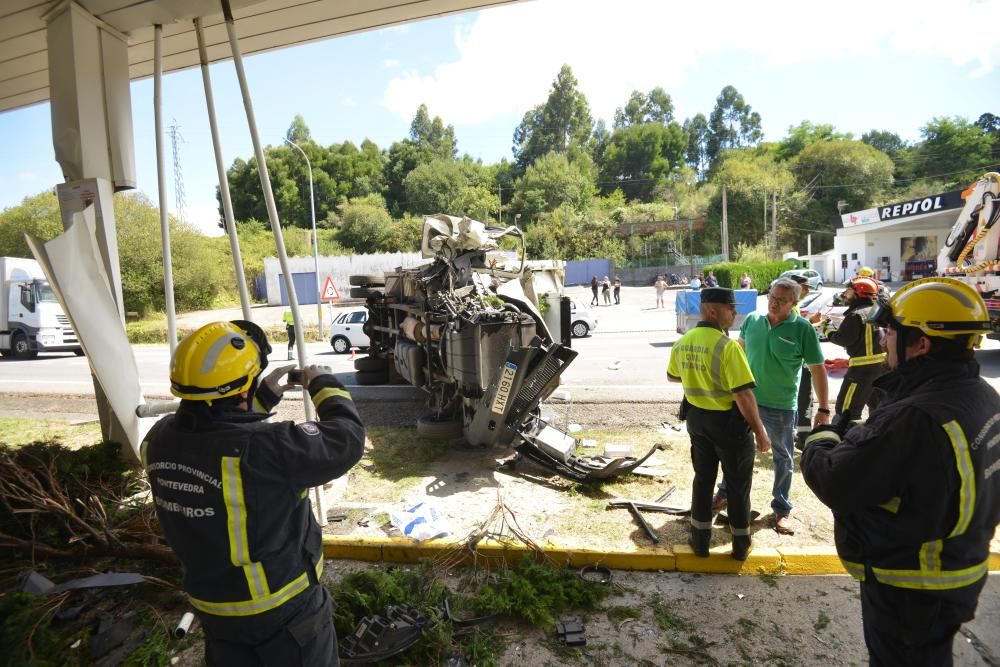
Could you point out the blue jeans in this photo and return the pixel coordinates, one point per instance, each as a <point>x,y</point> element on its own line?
<point>780,427</point>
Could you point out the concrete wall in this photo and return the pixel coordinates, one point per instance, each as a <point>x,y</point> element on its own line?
<point>340,268</point>
<point>872,246</point>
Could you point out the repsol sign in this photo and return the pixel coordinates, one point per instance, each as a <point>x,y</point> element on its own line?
<point>941,202</point>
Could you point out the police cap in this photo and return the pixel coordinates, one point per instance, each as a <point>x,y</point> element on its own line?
<point>718,295</point>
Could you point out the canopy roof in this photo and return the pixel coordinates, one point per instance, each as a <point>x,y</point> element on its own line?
<point>262,25</point>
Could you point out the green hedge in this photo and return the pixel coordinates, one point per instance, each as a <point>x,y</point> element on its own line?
<point>761,275</point>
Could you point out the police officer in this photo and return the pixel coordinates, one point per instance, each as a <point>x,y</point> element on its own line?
<point>231,495</point>
<point>861,338</point>
<point>289,321</point>
<point>915,490</point>
<point>722,418</point>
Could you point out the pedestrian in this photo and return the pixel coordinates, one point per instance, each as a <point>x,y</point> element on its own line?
<point>289,321</point>
<point>230,493</point>
<point>660,285</point>
<point>722,418</point>
<point>606,290</point>
<point>857,269</point>
<point>777,344</point>
<point>803,413</point>
<point>618,290</point>
<point>914,490</point>
<point>593,288</point>
<point>695,282</point>
<point>862,339</point>
<point>745,281</point>
<point>711,280</point>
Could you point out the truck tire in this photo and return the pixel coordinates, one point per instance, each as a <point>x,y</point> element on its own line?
<point>367,280</point>
<point>434,428</point>
<point>371,378</point>
<point>370,364</point>
<point>21,348</point>
<point>365,292</point>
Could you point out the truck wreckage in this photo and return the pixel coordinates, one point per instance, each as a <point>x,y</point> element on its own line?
<point>468,328</point>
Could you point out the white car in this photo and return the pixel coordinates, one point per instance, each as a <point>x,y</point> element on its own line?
<point>582,320</point>
<point>347,330</point>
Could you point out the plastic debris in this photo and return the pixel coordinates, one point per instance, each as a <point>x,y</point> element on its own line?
<point>421,522</point>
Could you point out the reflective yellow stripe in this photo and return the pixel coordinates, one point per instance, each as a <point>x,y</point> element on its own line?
<point>701,525</point>
<point>142,452</point>
<point>848,397</point>
<point>711,393</point>
<point>327,392</point>
<point>966,474</point>
<point>258,406</point>
<point>856,570</point>
<point>930,556</point>
<point>236,525</point>
<point>257,606</point>
<point>822,435</point>
<point>867,360</point>
<point>892,505</point>
<point>932,581</point>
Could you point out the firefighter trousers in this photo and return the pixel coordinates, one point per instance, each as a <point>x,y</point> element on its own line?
<point>856,391</point>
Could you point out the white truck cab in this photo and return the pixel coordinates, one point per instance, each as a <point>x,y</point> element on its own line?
<point>31,318</point>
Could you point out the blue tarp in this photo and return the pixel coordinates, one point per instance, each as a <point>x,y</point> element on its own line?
<point>689,301</point>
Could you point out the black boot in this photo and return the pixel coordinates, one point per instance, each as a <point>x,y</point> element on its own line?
<point>741,547</point>
<point>699,540</point>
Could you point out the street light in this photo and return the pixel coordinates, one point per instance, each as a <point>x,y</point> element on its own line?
<point>312,208</point>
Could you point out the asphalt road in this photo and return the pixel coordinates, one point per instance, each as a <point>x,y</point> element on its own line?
<point>623,361</point>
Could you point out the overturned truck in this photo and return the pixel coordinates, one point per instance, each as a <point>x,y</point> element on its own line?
<point>468,328</point>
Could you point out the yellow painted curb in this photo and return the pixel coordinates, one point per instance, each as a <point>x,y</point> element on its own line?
<point>811,560</point>
<point>679,557</point>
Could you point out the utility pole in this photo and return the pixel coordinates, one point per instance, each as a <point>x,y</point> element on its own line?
<point>774,225</point>
<point>725,226</point>
<point>499,207</point>
<point>765,223</point>
<point>809,245</point>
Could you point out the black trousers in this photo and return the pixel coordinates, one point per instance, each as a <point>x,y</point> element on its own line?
<point>805,398</point>
<point>594,301</point>
<point>720,437</point>
<point>909,627</point>
<point>856,390</point>
<point>291,336</point>
<point>618,295</point>
<point>301,636</point>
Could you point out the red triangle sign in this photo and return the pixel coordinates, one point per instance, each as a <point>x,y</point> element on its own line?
<point>330,292</point>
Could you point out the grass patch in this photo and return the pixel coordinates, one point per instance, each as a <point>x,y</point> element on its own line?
<point>768,579</point>
<point>618,614</point>
<point>822,620</point>
<point>745,627</point>
<point>666,618</point>
<point>19,431</point>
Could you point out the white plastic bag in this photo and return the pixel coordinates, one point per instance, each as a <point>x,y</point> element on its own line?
<point>421,522</point>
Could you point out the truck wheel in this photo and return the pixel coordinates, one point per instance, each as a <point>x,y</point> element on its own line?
<point>370,364</point>
<point>433,427</point>
<point>370,378</point>
<point>365,292</point>
<point>367,280</point>
<point>22,350</point>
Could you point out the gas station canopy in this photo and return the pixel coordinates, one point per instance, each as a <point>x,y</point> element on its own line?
<point>263,25</point>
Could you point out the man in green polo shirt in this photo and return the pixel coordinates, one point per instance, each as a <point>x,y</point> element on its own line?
<point>721,416</point>
<point>777,344</point>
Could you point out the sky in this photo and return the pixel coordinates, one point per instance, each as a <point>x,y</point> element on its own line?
<point>858,65</point>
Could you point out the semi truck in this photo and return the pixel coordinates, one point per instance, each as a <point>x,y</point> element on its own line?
<point>31,318</point>
<point>972,251</point>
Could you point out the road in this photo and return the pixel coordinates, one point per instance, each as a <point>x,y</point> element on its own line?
<point>623,361</point>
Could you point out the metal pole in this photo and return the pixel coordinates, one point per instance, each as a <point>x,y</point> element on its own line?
<point>227,201</point>
<point>809,245</point>
<point>168,272</point>
<point>768,254</point>
<point>272,211</point>
<point>312,208</point>
<point>725,226</point>
<point>774,225</point>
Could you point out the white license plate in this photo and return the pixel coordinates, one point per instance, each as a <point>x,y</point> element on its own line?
<point>503,391</point>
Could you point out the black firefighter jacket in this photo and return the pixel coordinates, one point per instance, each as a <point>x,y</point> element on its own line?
<point>231,495</point>
<point>860,338</point>
<point>915,490</point>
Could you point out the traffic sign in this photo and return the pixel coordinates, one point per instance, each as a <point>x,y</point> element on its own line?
<point>330,292</point>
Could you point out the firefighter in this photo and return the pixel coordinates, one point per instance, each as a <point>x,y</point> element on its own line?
<point>722,418</point>
<point>231,495</point>
<point>861,338</point>
<point>915,490</point>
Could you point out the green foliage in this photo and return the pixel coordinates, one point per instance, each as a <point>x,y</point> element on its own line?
<point>551,182</point>
<point>732,124</point>
<point>533,592</point>
<point>562,122</point>
<point>805,134</point>
<point>654,107</point>
<point>23,616</point>
<point>955,149</point>
<point>761,275</point>
<point>364,226</point>
<point>38,216</point>
<point>639,157</point>
<point>666,618</point>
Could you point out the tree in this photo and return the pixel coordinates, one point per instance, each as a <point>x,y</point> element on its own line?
<point>696,130</point>
<point>888,142</point>
<point>550,182</point>
<point>732,124</point>
<point>298,131</point>
<point>640,157</point>
<point>561,122</point>
<point>804,134</point>
<point>38,215</point>
<point>955,149</point>
<point>432,136</point>
<point>429,140</point>
<point>653,107</point>
<point>365,225</point>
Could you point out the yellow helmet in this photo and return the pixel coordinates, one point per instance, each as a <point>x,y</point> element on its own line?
<point>865,272</point>
<point>218,360</point>
<point>942,307</point>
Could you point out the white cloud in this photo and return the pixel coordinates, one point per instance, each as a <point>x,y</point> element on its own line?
<point>391,63</point>
<point>508,56</point>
